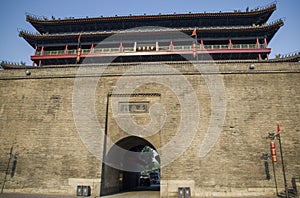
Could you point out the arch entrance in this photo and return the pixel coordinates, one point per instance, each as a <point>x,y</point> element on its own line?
<point>132,164</point>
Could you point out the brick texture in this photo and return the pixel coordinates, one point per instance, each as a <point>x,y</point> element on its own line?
<point>37,119</point>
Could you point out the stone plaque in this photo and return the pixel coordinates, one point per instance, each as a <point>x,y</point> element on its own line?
<point>133,107</point>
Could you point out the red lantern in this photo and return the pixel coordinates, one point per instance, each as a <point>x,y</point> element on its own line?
<point>273,152</point>
<point>78,55</point>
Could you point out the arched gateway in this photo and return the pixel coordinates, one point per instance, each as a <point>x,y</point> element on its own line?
<point>122,172</point>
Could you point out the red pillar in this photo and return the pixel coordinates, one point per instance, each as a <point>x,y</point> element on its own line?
<point>42,50</point>
<point>258,47</point>
<point>171,45</point>
<point>230,44</point>
<point>257,43</point>
<point>266,42</point>
<point>35,50</point>
<point>92,48</point>
<point>194,50</point>
<point>201,45</point>
<point>121,47</point>
<point>66,49</point>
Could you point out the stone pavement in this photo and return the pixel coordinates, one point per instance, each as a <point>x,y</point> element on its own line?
<point>138,194</point>
<point>13,195</point>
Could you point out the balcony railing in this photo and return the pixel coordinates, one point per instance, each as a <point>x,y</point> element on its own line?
<point>159,49</point>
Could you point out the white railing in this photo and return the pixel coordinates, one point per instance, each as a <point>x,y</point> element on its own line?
<point>160,48</point>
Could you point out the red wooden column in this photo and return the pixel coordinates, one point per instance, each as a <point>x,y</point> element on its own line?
<point>201,45</point>
<point>266,46</point>
<point>258,47</point>
<point>66,49</point>
<point>171,46</point>
<point>259,57</point>
<point>230,44</point>
<point>257,43</point>
<point>42,50</point>
<point>121,47</point>
<point>35,50</point>
<point>41,54</point>
<point>92,48</point>
<point>265,42</point>
<point>194,50</point>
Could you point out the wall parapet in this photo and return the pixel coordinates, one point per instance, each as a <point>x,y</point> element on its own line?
<point>187,68</point>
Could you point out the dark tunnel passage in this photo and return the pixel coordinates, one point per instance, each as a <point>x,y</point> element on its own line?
<point>130,166</point>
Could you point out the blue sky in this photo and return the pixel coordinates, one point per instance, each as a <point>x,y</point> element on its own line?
<point>12,15</point>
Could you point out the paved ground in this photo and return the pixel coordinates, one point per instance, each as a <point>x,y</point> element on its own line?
<point>138,194</point>
<point>13,195</point>
<point>143,194</point>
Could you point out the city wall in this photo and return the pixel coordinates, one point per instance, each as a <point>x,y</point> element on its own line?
<point>37,120</point>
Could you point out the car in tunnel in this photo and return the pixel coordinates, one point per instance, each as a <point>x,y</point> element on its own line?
<point>154,178</point>
<point>144,180</point>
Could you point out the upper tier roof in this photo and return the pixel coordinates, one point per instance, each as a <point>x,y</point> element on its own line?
<point>218,33</point>
<point>257,16</point>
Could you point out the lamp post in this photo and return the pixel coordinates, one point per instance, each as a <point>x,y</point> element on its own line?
<point>265,157</point>
<point>11,156</point>
<point>273,136</point>
<point>104,146</point>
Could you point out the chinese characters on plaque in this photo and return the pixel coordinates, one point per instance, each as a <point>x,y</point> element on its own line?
<point>133,107</point>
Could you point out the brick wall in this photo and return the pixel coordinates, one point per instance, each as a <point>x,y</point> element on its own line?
<point>36,117</point>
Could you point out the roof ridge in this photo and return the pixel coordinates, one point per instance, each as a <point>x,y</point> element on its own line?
<point>32,17</point>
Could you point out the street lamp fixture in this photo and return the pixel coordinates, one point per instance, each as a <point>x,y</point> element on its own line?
<point>27,72</point>
<point>273,136</point>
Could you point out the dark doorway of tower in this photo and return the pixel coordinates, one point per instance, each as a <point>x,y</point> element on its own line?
<point>131,164</point>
